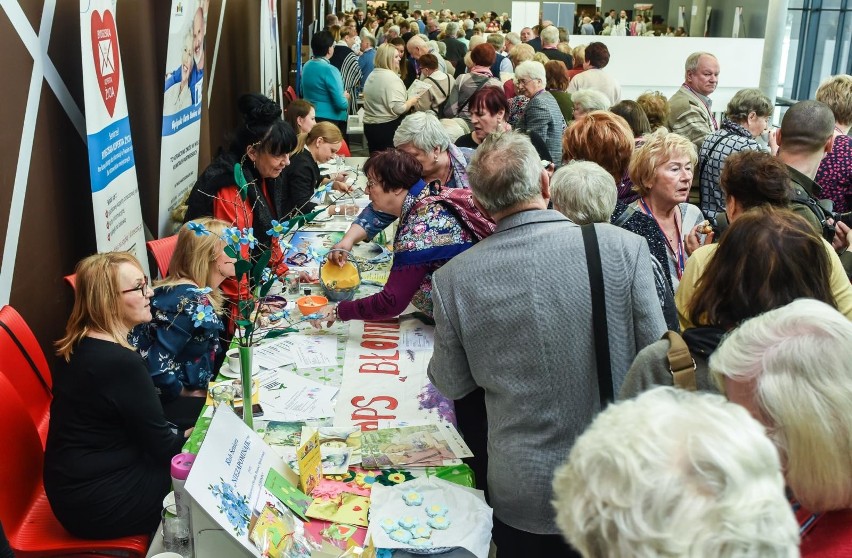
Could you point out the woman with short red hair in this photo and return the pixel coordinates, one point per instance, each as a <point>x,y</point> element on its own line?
<point>458,104</point>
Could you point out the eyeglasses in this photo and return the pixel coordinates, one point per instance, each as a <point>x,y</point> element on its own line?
<point>143,287</point>
<point>370,184</point>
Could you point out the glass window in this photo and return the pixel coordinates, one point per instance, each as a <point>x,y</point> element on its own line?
<point>789,53</point>
<point>824,57</point>
<point>845,64</point>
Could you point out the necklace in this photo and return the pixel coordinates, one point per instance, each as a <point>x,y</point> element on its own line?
<point>675,248</point>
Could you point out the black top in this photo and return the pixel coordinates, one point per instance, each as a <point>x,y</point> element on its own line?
<point>535,42</point>
<point>556,54</point>
<point>455,50</point>
<point>109,446</point>
<point>302,177</point>
<point>467,141</point>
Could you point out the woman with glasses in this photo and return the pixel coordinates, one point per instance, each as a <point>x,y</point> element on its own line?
<point>542,114</point>
<point>181,343</point>
<point>109,447</point>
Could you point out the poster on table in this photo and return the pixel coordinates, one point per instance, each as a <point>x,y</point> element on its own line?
<point>183,84</point>
<point>112,167</point>
<point>270,51</point>
<point>384,376</point>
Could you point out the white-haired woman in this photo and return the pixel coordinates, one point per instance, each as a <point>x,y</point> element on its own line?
<point>588,100</point>
<point>789,368</point>
<point>385,100</point>
<point>584,192</point>
<point>542,115</point>
<point>674,473</point>
<point>422,136</point>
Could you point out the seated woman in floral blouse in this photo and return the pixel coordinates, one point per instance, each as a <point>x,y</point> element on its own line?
<point>430,233</point>
<point>181,343</point>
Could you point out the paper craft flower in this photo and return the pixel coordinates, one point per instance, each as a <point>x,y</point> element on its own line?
<point>232,505</point>
<point>346,477</point>
<point>421,532</point>
<point>392,477</point>
<point>203,313</point>
<point>365,479</point>
<point>248,237</point>
<point>409,522</point>
<point>421,542</point>
<point>438,522</point>
<point>278,229</point>
<point>197,228</point>
<point>232,236</point>
<point>389,524</point>
<point>436,510</point>
<point>412,498</point>
<point>400,535</point>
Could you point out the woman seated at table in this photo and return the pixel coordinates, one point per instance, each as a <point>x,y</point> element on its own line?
<point>488,111</point>
<point>429,235</point>
<point>661,171</point>
<point>109,447</point>
<point>422,136</point>
<point>181,343</point>
<point>302,176</point>
<point>302,117</point>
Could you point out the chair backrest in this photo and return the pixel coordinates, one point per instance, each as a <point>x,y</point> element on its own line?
<point>291,93</point>
<point>23,458</point>
<point>344,149</point>
<point>71,280</point>
<point>23,363</point>
<point>162,250</point>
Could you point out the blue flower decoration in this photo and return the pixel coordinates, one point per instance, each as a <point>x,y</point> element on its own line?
<point>277,229</point>
<point>201,291</point>
<point>280,315</point>
<point>204,313</point>
<point>248,237</point>
<point>266,275</point>
<point>197,228</point>
<point>314,316</point>
<point>313,254</point>
<point>232,236</point>
<point>233,505</point>
<point>284,245</point>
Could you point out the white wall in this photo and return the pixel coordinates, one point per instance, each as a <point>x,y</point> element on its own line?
<point>656,63</point>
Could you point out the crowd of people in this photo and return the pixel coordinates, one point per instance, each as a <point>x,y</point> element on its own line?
<point>553,232</point>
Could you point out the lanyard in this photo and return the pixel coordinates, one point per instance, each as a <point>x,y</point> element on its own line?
<point>680,261</point>
<point>706,106</point>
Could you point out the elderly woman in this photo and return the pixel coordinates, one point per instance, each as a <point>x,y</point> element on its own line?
<point>746,118</point>
<point>322,84</point>
<point>557,83</point>
<point>182,351</point>
<point>796,266</point>
<point>466,85</point>
<point>751,179</point>
<point>656,108</point>
<point>519,53</point>
<point>429,235</point>
<point>578,54</point>
<point>422,136</point>
<point>674,473</point>
<point>835,170</point>
<point>789,368</point>
<point>441,83</point>
<point>315,148</point>
<point>542,115</point>
<point>488,113</point>
<point>584,192</point>
<point>109,447</point>
<point>597,58</point>
<point>661,171</point>
<point>386,100</point>
<point>635,117</point>
<point>588,100</point>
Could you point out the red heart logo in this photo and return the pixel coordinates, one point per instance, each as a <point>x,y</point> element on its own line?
<point>106,58</point>
<point>357,508</point>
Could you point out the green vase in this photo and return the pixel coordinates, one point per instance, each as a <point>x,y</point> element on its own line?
<point>246,364</point>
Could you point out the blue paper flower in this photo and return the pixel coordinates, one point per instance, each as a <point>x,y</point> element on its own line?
<point>314,316</point>
<point>201,291</point>
<point>266,275</point>
<point>277,229</point>
<point>232,236</point>
<point>313,253</point>
<point>204,313</point>
<point>197,228</point>
<point>248,237</point>
<point>280,315</point>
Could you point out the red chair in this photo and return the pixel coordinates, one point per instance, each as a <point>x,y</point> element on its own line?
<point>162,250</point>
<point>71,280</point>
<point>29,523</point>
<point>344,150</point>
<point>290,93</point>
<point>23,363</point>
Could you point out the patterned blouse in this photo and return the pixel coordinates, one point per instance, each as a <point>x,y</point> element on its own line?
<point>181,343</point>
<point>835,174</point>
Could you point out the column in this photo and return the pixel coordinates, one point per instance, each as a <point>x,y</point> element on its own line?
<point>698,21</point>
<point>776,23</point>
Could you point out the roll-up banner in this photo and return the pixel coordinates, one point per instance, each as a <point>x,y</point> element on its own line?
<point>182,94</point>
<point>112,168</point>
<point>298,56</point>
<point>270,51</point>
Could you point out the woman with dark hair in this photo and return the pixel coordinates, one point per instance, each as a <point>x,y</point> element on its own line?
<point>751,179</point>
<point>488,112</point>
<point>109,447</point>
<point>322,84</point>
<point>768,257</point>
<point>557,85</point>
<point>458,104</point>
<point>597,58</point>
<point>441,84</point>
<point>346,61</point>
<point>635,117</point>
<point>301,116</point>
<point>429,235</point>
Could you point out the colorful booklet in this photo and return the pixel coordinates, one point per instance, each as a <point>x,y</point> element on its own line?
<point>428,445</point>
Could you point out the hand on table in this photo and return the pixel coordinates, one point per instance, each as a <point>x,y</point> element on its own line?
<point>307,277</point>
<point>341,186</point>
<point>327,314</point>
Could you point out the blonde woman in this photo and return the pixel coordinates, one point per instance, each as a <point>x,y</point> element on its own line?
<point>316,147</point>
<point>181,343</point>
<point>106,463</point>
<point>386,100</point>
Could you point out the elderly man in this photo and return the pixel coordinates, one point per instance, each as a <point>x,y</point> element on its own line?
<point>535,42</point>
<point>432,29</point>
<point>526,34</point>
<point>511,40</point>
<point>455,48</point>
<point>513,318</point>
<point>501,61</point>
<point>417,47</point>
<point>691,110</point>
<point>549,42</point>
<point>368,57</point>
<point>393,33</point>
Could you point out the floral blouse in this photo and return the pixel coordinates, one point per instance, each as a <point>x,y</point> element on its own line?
<point>181,342</point>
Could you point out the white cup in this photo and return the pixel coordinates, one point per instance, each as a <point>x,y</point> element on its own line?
<point>233,356</point>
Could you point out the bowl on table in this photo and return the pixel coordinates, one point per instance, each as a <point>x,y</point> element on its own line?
<point>311,304</point>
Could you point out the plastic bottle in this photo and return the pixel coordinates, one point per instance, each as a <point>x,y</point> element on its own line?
<point>181,465</point>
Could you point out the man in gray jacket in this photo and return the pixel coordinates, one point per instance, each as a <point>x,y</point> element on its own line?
<point>514,317</point>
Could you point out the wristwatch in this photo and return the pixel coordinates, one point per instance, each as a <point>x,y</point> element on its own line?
<point>334,315</point>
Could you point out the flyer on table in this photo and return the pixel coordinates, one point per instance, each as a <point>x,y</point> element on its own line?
<point>112,168</point>
<point>183,84</point>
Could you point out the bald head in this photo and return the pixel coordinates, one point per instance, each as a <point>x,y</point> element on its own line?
<point>807,128</point>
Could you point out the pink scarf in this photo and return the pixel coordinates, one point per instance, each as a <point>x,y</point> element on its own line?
<point>484,70</point>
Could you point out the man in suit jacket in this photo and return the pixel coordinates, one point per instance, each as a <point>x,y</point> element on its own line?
<point>690,108</point>
<point>455,48</point>
<point>513,316</point>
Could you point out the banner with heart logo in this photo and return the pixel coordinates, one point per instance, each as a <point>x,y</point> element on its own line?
<point>182,101</point>
<point>112,167</point>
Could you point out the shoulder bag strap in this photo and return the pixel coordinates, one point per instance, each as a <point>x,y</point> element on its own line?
<point>441,89</point>
<point>466,101</point>
<point>625,216</point>
<point>599,321</point>
<point>710,152</point>
<point>681,363</point>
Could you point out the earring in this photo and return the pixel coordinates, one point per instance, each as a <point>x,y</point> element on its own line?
<point>436,157</point>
